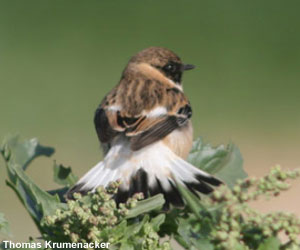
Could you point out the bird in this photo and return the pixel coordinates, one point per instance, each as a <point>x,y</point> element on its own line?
<point>145,130</point>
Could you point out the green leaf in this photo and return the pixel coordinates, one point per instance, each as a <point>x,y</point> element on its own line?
<point>17,156</point>
<point>170,225</point>
<point>23,153</point>
<point>271,243</point>
<point>136,227</point>
<point>192,201</point>
<point>190,239</point>
<point>4,226</point>
<point>126,246</point>
<point>203,244</point>
<point>181,240</point>
<point>157,221</point>
<point>184,232</point>
<point>147,205</point>
<point>118,230</point>
<point>239,246</point>
<point>223,162</point>
<point>38,202</point>
<point>63,175</point>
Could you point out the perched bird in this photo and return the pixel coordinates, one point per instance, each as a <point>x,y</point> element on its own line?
<point>144,127</point>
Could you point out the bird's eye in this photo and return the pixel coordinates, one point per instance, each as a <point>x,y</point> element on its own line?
<point>170,68</point>
<point>173,71</point>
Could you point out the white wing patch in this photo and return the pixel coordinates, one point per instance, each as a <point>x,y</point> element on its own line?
<point>158,111</point>
<point>114,108</point>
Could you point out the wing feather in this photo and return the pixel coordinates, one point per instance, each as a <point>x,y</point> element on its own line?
<point>154,133</point>
<point>103,126</point>
<point>147,124</point>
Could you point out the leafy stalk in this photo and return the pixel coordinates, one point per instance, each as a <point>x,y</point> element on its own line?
<point>221,221</point>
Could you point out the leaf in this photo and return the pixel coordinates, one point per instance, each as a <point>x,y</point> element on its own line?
<point>188,238</point>
<point>147,205</point>
<point>17,156</point>
<point>181,240</point>
<point>23,153</point>
<point>63,175</point>
<point>239,246</point>
<point>126,246</point>
<point>272,243</point>
<point>4,226</point>
<point>192,201</point>
<point>184,232</point>
<point>223,162</point>
<point>38,202</point>
<point>136,227</point>
<point>59,192</point>
<point>203,244</point>
<point>170,225</point>
<point>118,230</point>
<point>157,221</point>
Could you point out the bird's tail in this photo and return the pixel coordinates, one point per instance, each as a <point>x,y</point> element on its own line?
<point>152,170</point>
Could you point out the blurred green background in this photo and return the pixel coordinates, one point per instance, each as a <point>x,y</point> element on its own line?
<point>59,58</point>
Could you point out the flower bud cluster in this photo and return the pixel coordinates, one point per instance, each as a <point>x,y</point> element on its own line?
<point>235,218</point>
<point>152,239</point>
<point>96,217</point>
<point>88,217</point>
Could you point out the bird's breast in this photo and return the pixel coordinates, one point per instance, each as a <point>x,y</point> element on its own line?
<point>180,141</point>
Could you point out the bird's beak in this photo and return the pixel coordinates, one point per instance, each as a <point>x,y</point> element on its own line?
<point>188,66</point>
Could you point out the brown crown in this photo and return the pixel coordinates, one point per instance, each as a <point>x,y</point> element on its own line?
<point>155,56</point>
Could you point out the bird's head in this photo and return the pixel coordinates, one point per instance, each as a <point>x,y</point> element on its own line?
<point>163,60</point>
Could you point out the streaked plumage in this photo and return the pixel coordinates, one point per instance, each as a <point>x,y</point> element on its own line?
<point>144,127</point>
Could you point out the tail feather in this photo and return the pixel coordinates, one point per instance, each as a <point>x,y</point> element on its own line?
<point>139,183</point>
<point>174,196</point>
<point>91,179</point>
<point>152,170</point>
<point>201,187</point>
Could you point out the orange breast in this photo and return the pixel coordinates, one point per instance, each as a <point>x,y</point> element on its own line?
<point>180,140</point>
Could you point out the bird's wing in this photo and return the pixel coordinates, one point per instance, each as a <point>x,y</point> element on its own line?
<point>142,123</point>
<point>153,129</point>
